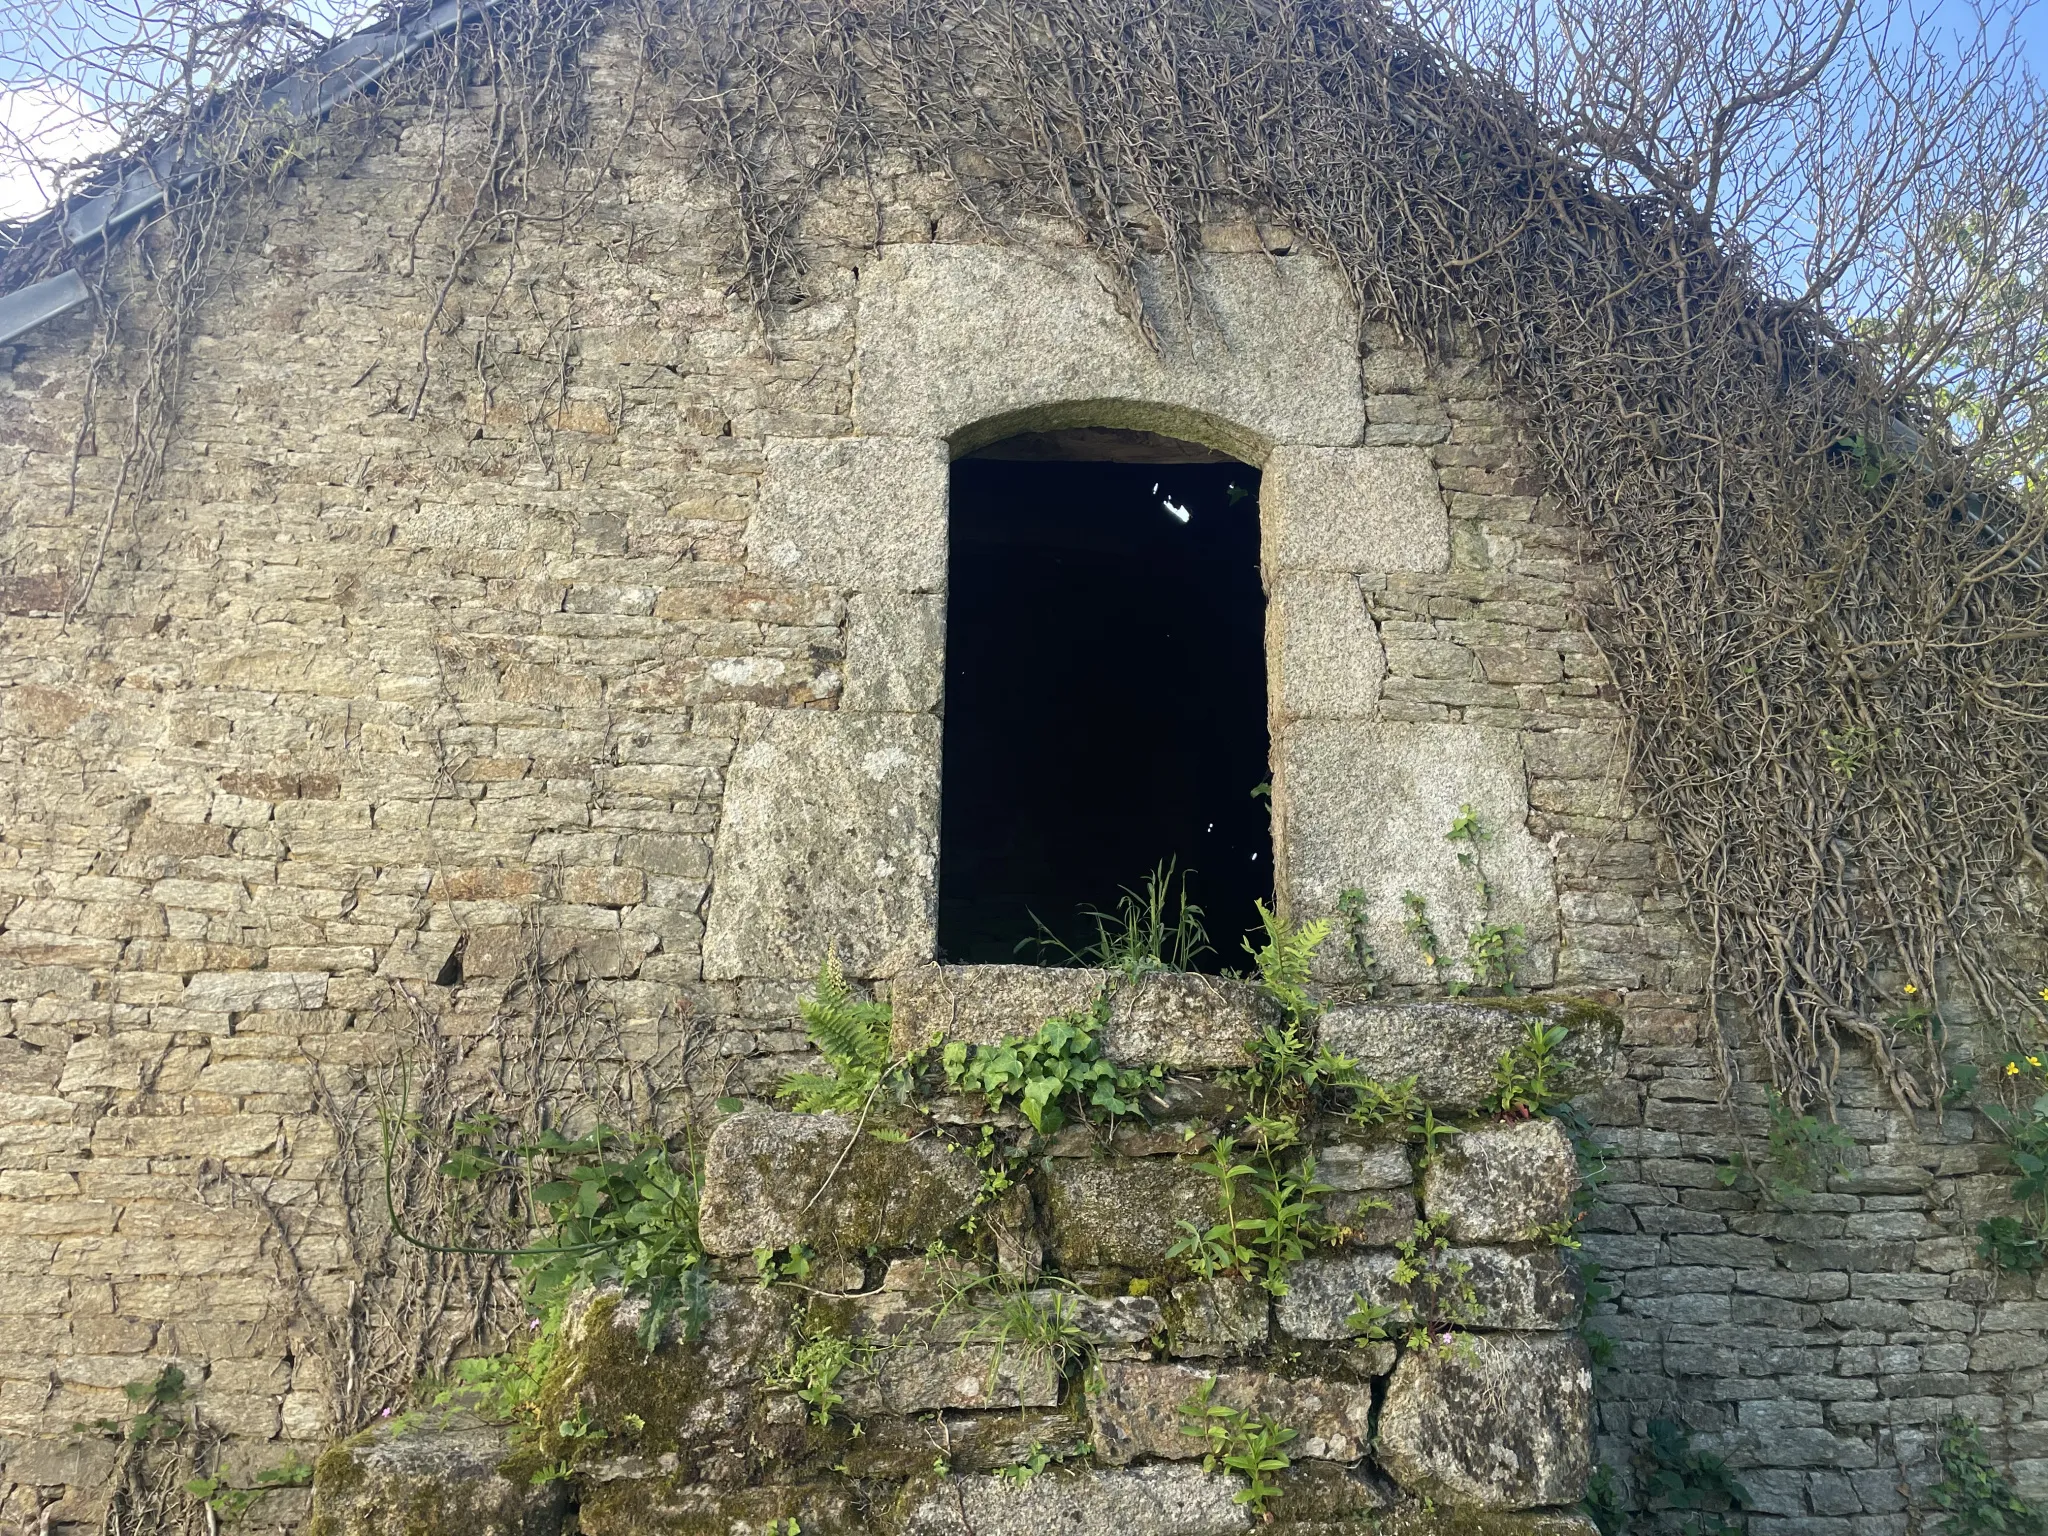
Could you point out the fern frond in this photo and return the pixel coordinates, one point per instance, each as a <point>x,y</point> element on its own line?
<point>851,1033</point>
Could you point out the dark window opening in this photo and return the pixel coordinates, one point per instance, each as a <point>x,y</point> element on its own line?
<point>1105,691</point>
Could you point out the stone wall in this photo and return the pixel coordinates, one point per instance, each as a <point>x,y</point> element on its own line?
<point>375,711</point>
<point>1045,1359</point>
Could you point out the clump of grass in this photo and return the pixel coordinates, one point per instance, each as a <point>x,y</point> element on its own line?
<point>1154,928</point>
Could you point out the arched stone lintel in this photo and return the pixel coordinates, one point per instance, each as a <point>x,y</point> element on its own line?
<point>1167,420</point>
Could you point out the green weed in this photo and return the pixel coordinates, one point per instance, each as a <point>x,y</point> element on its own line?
<point>774,1265</point>
<point>1525,1078</point>
<point>1056,1073</point>
<point>1978,1499</point>
<point>1694,1483</point>
<point>158,1401</point>
<point>1270,1217</point>
<point>1421,932</point>
<point>2020,1242</point>
<point>231,1501</point>
<point>811,1366</point>
<point>852,1034</point>
<point>1801,1153</point>
<point>1358,948</point>
<point>1245,1443</point>
<point>1154,928</point>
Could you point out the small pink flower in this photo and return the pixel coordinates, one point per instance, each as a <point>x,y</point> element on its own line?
<point>385,1414</point>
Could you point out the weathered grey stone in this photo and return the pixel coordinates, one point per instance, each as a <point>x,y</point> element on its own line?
<point>1353,509</point>
<point>1107,1319</point>
<point>1186,1022</point>
<point>629,1500</point>
<point>254,991</point>
<point>687,1392</point>
<point>1366,805</point>
<point>1530,1289</point>
<point>1138,1411</point>
<point>1225,1316</point>
<point>1346,1165</point>
<point>1320,1497</point>
<point>774,1180</point>
<point>1495,1420</point>
<point>1451,1049</point>
<point>1324,658</point>
<point>1502,1182</point>
<point>860,513</point>
<point>1324,1289</point>
<point>830,835</point>
<point>1416,1521</point>
<point>1124,1501</point>
<point>982,1004</point>
<point>1005,340</point>
<point>905,1377</point>
<point>1123,1213</point>
<point>895,652</point>
<point>1372,1218</point>
<point>442,1480</point>
<point>894,1448</point>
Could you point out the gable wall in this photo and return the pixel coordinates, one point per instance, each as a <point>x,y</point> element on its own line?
<point>358,686</point>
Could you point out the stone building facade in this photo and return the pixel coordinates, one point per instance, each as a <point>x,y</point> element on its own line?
<point>620,658</point>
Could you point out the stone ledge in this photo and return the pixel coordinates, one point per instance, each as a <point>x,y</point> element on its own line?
<point>1181,1021</point>
<point>446,1480</point>
<point>774,1180</point>
<point>1452,1048</point>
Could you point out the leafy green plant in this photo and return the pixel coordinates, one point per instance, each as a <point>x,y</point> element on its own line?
<point>772,1265</point>
<point>1284,962</point>
<point>157,1401</point>
<point>1035,1461</point>
<point>1525,1078</point>
<point>231,1501</point>
<point>505,1388</point>
<point>1603,1503</point>
<point>1801,1153</point>
<point>1375,1104</point>
<point>1154,928</point>
<point>1041,1324</point>
<point>1351,912</point>
<point>1976,1498</point>
<point>1368,1320</point>
<point>1696,1483</point>
<point>811,1366</point>
<point>1248,1444</point>
<point>1493,950</point>
<point>1441,1299</point>
<point>2010,1243</point>
<point>1058,1072</point>
<point>612,1210</point>
<point>851,1033</point>
<point>2020,1242</point>
<point>1270,1216</point>
<point>1422,932</point>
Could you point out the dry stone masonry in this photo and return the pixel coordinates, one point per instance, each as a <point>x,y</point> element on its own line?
<point>1091,1346</point>
<point>607,686</point>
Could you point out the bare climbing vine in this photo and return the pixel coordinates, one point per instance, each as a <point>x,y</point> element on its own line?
<point>1825,622</point>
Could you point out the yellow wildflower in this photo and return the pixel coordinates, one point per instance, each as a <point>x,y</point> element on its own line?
<point>2033,1061</point>
<point>1911,989</point>
<point>2012,1069</point>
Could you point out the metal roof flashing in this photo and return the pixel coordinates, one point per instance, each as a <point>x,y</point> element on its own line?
<point>343,69</point>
